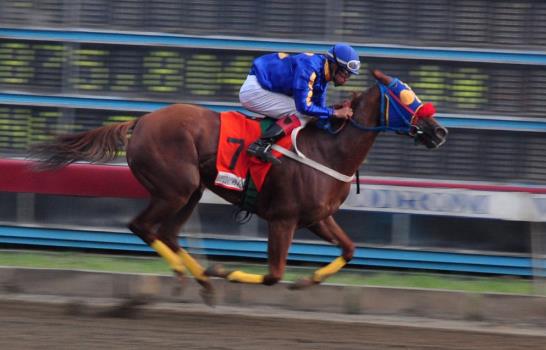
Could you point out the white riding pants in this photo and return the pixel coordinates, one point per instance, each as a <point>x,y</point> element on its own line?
<point>271,104</point>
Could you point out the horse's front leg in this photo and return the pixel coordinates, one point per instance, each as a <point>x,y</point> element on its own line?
<point>331,232</point>
<point>279,240</point>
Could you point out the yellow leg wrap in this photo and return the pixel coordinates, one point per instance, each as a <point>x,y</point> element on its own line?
<point>328,270</point>
<point>243,277</point>
<point>195,268</point>
<point>172,259</point>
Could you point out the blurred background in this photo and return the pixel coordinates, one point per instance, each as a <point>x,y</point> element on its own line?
<point>74,65</point>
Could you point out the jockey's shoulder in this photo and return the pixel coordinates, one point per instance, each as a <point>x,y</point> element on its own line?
<point>311,56</point>
<point>315,60</point>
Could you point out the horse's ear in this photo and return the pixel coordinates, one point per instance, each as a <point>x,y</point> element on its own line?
<point>382,77</point>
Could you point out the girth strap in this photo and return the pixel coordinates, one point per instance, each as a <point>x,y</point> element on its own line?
<point>309,162</point>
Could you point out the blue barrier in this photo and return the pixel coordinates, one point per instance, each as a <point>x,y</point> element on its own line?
<point>391,51</point>
<point>257,248</point>
<point>100,103</point>
<point>448,120</point>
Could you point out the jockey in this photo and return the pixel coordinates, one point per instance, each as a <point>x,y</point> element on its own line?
<point>292,89</point>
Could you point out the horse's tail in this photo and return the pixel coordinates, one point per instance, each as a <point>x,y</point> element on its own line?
<point>97,145</point>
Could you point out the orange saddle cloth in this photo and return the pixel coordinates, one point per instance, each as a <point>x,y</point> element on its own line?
<point>237,132</point>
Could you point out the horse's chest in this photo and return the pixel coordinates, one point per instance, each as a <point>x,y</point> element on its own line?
<point>328,200</point>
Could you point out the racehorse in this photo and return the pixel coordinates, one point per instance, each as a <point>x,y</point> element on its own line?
<point>172,153</point>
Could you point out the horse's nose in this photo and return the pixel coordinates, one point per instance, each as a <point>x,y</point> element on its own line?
<point>441,134</point>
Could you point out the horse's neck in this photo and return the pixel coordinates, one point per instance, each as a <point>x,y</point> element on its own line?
<point>345,151</point>
<point>354,146</point>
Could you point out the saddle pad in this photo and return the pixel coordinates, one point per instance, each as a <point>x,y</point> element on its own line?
<point>237,132</point>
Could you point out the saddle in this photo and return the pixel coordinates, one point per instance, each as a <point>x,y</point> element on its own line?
<point>236,169</point>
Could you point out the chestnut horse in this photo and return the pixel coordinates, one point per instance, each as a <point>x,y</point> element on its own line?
<point>172,153</point>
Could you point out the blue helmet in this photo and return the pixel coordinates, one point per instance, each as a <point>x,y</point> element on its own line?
<point>345,56</point>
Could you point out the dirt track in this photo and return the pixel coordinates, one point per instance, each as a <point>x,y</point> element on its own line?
<point>43,326</point>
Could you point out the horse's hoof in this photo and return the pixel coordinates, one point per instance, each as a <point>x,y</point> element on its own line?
<point>216,270</point>
<point>302,283</point>
<point>179,287</point>
<point>207,293</point>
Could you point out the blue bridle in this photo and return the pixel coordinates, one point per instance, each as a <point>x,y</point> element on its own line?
<point>394,115</point>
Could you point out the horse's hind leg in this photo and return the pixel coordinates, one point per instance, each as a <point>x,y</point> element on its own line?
<point>144,226</point>
<point>168,232</point>
<point>331,232</point>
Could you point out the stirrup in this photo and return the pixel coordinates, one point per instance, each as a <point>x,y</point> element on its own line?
<point>263,152</point>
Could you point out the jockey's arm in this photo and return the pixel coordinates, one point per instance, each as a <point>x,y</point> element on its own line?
<point>321,99</point>
<point>303,95</point>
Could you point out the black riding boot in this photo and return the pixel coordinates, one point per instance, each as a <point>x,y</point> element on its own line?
<point>261,148</point>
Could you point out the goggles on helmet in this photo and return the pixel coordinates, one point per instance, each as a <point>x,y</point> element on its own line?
<point>351,67</point>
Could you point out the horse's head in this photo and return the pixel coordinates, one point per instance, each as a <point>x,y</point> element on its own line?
<point>403,112</point>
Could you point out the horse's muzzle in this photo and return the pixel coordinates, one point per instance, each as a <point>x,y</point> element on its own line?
<point>431,139</point>
<point>440,136</point>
